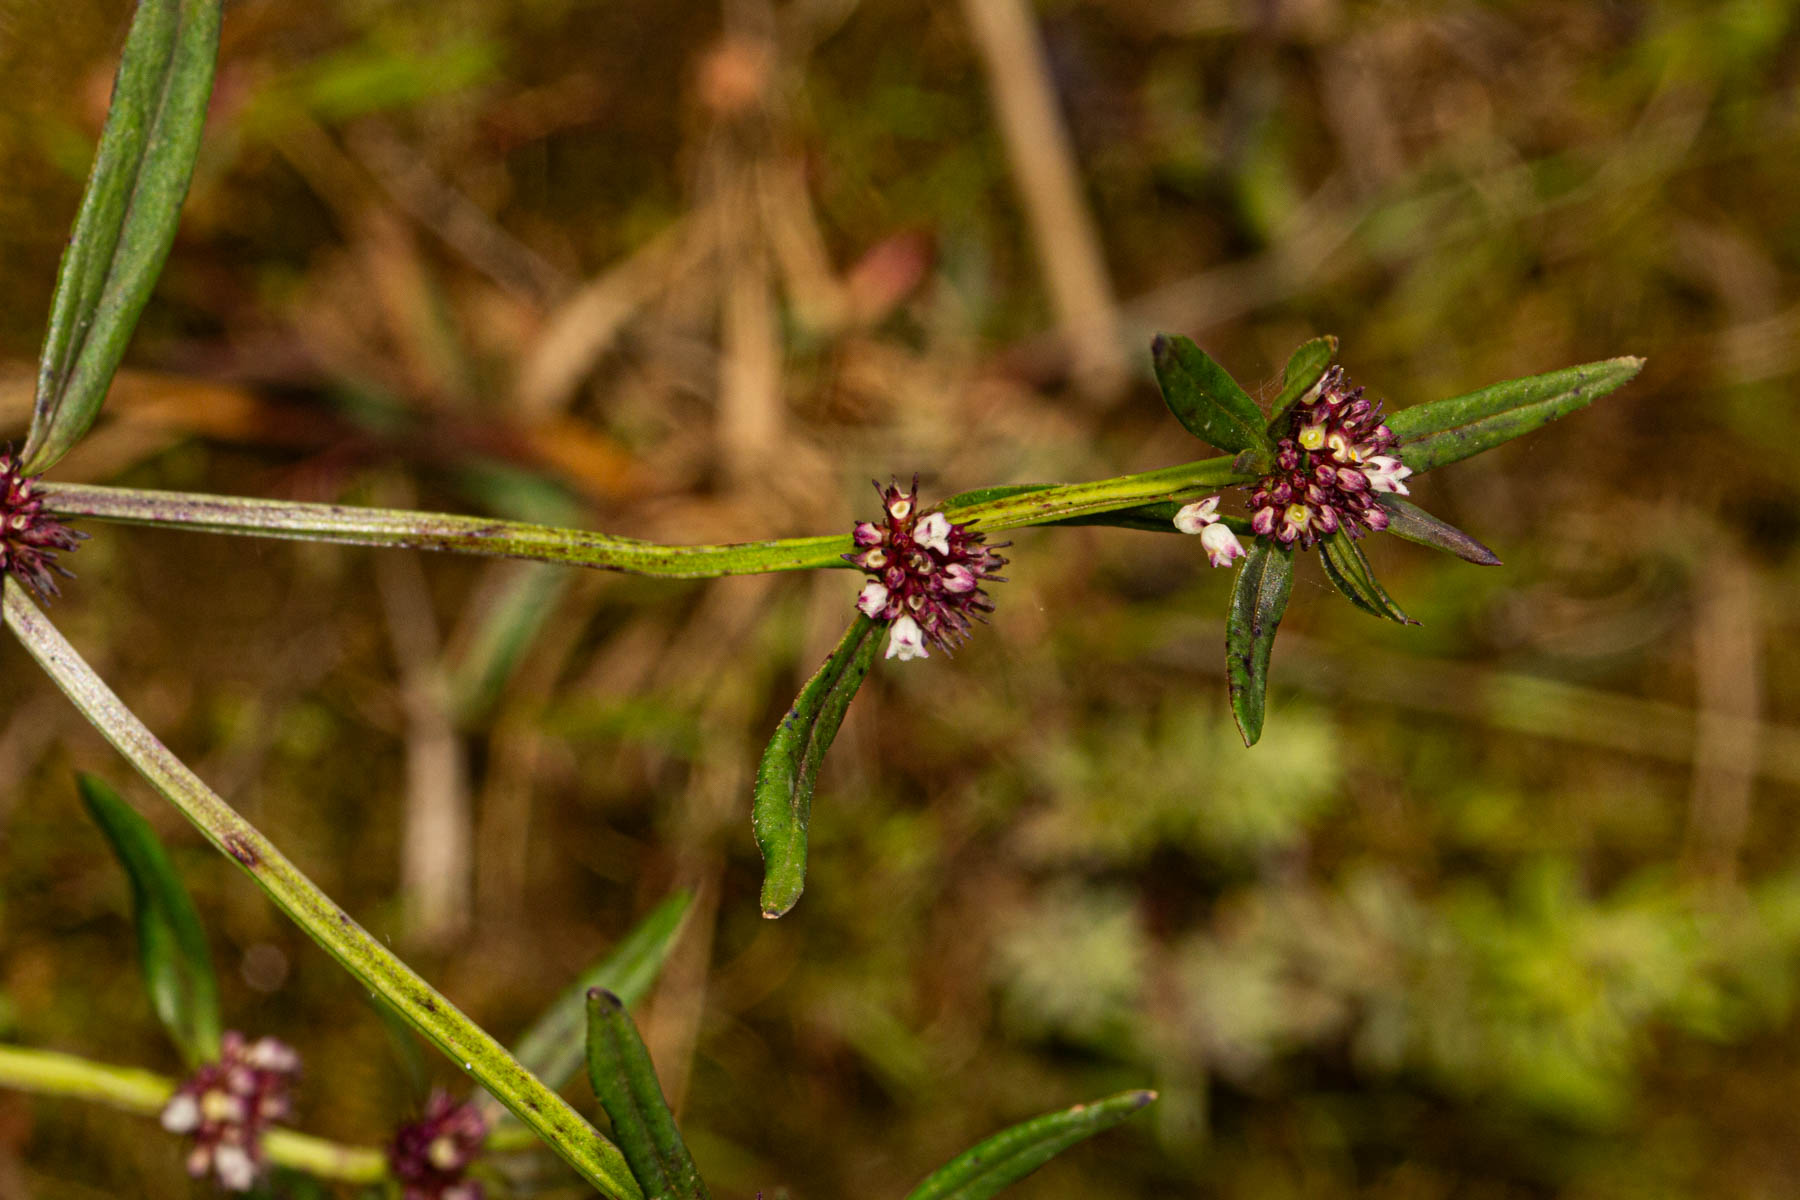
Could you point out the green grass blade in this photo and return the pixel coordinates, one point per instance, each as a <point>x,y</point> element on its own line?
<point>1012,1154</point>
<point>1206,399</point>
<point>625,1081</point>
<point>1446,431</point>
<point>1409,521</point>
<point>127,218</point>
<point>1257,602</point>
<point>552,1048</point>
<point>1305,366</point>
<point>790,764</point>
<point>1349,571</point>
<point>172,950</point>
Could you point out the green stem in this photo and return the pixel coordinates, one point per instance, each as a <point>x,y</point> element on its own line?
<point>581,547</point>
<point>466,1043</point>
<point>48,1073</point>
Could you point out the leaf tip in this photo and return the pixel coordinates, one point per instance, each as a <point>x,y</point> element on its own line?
<point>602,1001</point>
<point>1144,1098</point>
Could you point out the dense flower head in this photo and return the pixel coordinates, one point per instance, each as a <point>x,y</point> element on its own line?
<point>925,574</point>
<point>1329,464</point>
<point>29,537</point>
<point>225,1105</point>
<point>430,1156</point>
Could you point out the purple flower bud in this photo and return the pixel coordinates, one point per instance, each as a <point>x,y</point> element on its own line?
<point>930,572</point>
<point>430,1156</point>
<point>30,538</point>
<point>225,1105</point>
<point>1264,521</point>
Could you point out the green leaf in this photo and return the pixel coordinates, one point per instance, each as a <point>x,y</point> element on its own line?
<point>1409,521</point>
<point>172,952</point>
<point>1257,602</point>
<point>1206,399</point>
<point>1012,1154</point>
<point>1446,431</point>
<point>127,219</point>
<point>1305,367</point>
<point>552,1048</point>
<point>625,1081</point>
<point>1155,517</point>
<point>790,765</point>
<point>1349,571</point>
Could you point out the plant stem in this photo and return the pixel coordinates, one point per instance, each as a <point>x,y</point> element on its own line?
<point>48,1073</point>
<point>466,1043</point>
<point>581,547</point>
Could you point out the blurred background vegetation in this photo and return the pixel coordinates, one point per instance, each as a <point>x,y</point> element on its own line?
<point>1504,905</point>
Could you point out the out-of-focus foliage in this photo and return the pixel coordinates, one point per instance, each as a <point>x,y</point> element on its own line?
<point>1506,904</point>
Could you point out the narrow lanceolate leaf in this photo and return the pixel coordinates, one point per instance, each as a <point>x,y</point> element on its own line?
<point>1409,521</point>
<point>790,765</point>
<point>1257,602</point>
<point>127,219</point>
<point>1349,571</point>
<point>552,1048</point>
<point>177,966</point>
<point>1206,399</point>
<point>625,1082</point>
<point>1012,1154</point>
<point>1445,431</point>
<point>1305,367</point>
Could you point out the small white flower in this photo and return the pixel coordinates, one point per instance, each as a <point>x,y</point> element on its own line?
<point>234,1167</point>
<point>933,533</point>
<point>959,579</point>
<point>907,641</point>
<point>1221,545</point>
<point>181,1114</point>
<point>1385,473</point>
<point>872,599</point>
<point>1197,516</point>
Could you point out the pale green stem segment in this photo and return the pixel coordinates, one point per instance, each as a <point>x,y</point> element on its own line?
<point>468,1045</point>
<point>51,1074</point>
<point>581,547</point>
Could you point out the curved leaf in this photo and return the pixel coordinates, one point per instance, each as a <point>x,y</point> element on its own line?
<point>625,1081</point>
<point>1257,602</point>
<point>1446,431</point>
<point>552,1048</point>
<point>1305,367</point>
<point>790,765</point>
<point>1349,571</point>
<point>172,951</point>
<point>127,219</point>
<point>1206,399</point>
<point>1012,1154</point>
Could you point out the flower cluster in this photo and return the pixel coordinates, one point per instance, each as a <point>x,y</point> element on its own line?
<point>926,574</point>
<point>29,537</point>
<point>1328,467</point>
<point>225,1105</point>
<point>431,1155</point>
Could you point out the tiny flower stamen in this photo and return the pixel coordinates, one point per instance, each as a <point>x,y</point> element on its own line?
<point>30,538</point>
